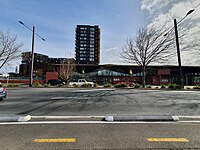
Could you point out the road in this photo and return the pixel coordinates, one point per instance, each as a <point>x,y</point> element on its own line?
<point>56,134</point>
<point>100,136</point>
<point>62,101</point>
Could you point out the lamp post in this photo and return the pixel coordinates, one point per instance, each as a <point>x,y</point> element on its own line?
<point>181,81</point>
<point>32,52</point>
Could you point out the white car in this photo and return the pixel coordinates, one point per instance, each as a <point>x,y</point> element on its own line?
<point>81,82</point>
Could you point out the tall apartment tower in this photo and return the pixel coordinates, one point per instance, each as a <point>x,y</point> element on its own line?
<point>87,44</point>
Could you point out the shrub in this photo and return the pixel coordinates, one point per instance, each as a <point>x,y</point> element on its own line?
<point>36,84</point>
<point>86,85</point>
<point>107,85</point>
<point>12,85</point>
<point>96,85</point>
<point>137,85</point>
<point>178,87</point>
<point>46,85</point>
<point>172,86</point>
<point>60,85</point>
<point>163,86</point>
<point>121,85</point>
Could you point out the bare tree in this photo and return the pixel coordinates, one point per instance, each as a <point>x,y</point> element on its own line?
<point>9,48</point>
<point>67,69</point>
<point>148,46</point>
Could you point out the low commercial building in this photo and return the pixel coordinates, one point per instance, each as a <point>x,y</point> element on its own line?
<point>46,68</point>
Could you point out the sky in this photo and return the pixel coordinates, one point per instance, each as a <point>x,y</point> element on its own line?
<point>55,21</point>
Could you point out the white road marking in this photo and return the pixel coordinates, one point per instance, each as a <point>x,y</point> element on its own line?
<point>93,122</point>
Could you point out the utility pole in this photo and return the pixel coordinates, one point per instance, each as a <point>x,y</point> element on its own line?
<point>179,55</point>
<point>32,59</point>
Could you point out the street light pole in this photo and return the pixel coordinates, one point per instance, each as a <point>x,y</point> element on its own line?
<point>32,59</point>
<point>181,81</point>
<point>179,55</point>
<point>32,52</point>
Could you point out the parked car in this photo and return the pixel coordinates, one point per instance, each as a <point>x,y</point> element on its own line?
<point>3,92</point>
<point>81,82</point>
<point>55,82</point>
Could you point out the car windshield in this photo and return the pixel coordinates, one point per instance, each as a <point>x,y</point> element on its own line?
<point>99,74</point>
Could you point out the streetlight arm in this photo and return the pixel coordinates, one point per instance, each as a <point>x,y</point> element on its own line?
<point>31,30</point>
<point>188,13</point>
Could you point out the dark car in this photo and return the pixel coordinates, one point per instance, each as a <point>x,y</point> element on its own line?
<point>55,82</point>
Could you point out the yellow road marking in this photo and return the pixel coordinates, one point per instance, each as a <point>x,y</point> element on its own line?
<point>58,140</point>
<point>167,140</point>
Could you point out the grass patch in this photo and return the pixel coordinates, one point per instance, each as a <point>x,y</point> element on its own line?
<point>107,85</point>
<point>121,85</point>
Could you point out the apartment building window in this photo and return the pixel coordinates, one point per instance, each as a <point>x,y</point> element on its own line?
<point>91,59</point>
<point>83,52</point>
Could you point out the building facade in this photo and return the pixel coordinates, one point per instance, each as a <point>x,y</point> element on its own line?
<point>87,44</point>
<point>46,68</point>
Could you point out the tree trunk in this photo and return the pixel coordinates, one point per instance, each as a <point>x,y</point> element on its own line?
<point>143,77</point>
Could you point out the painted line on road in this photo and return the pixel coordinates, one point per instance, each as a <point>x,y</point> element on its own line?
<point>57,140</point>
<point>167,140</point>
<point>92,122</point>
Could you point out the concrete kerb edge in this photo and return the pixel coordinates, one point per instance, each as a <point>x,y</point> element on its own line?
<point>111,118</point>
<point>24,119</point>
<point>67,117</point>
<point>15,118</point>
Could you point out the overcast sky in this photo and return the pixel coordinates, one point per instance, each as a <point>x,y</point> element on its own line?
<point>55,20</point>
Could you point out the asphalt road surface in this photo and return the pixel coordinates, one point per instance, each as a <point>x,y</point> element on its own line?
<point>62,101</point>
<point>57,134</point>
<point>163,136</point>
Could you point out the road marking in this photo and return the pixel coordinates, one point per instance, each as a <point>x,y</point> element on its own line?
<point>167,140</point>
<point>96,122</point>
<point>57,140</point>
